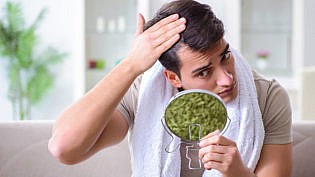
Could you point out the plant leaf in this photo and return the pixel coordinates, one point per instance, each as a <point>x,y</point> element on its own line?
<point>10,28</point>
<point>38,19</point>
<point>39,84</point>
<point>13,80</point>
<point>15,16</point>
<point>26,44</point>
<point>51,56</point>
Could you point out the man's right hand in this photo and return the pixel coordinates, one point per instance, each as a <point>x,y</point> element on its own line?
<point>151,43</point>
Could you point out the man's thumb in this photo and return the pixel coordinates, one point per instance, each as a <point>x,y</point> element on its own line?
<point>140,25</point>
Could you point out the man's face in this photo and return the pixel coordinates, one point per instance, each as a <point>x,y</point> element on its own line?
<point>213,71</point>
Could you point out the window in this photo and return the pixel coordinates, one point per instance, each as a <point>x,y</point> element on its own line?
<point>266,35</point>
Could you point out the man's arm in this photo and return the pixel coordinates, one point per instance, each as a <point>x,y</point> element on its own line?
<point>275,161</point>
<point>93,122</point>
<point>78,130</point>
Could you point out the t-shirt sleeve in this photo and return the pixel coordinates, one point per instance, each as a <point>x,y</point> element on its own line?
<point>128,104</point>
<point>276,112</point>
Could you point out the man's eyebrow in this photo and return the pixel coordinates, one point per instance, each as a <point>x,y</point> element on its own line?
<point>206,66</point>
<point>201,68</point>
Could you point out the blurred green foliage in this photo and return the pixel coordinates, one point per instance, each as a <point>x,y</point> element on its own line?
<point>29,70</point>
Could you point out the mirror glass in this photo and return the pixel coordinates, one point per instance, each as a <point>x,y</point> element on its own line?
<point>192,114</point>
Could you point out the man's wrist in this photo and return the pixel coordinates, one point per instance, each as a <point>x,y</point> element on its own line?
<point>132,68</point>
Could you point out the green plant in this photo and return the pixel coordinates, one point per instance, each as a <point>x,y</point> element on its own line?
<point>29,69</point>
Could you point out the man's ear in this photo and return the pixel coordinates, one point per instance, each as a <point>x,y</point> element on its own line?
<point>173,78</point>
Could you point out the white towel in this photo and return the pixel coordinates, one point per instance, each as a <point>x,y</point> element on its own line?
<point>148,138</point>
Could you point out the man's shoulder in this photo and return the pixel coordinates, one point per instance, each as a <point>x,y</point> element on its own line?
<point>276,111</point>
<point>261,81</point>
<point>269,91</point>
<point>265,85</point>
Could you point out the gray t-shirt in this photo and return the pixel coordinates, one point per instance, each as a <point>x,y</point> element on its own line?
<point>274,106</point>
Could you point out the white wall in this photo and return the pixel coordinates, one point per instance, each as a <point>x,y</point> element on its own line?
<point>309,32</point>
<point>63,28</point>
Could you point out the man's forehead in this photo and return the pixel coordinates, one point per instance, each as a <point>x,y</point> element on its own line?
<point>215,50</point>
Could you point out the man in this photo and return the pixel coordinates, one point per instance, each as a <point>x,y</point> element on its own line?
<point>187,38</point>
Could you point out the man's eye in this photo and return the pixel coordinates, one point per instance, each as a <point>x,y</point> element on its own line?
<point>203,74</point>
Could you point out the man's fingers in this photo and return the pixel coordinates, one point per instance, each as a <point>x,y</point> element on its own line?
<point>167,44</point>
<point>212,157</point>
<point>140,25</point>
<point>167,32</point>
<point>213,149</point>
<point>170,27</point>
<point>217,132</point>
<point>214,165</point>
<point>216,140</point>
<point>163,22</point>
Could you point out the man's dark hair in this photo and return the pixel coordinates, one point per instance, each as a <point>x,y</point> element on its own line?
<point>203,29</point>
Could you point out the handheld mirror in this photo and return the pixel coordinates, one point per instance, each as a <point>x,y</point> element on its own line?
<point>193,114</point>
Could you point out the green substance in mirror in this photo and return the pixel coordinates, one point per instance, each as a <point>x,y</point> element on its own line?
<point>195,111</point>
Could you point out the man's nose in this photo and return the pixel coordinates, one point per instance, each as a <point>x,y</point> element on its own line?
<point>223,77</point>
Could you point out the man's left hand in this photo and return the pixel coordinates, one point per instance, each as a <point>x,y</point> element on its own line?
<point>220,153</point>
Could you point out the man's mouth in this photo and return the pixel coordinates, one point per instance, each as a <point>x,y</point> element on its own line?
<point>227,91</point>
